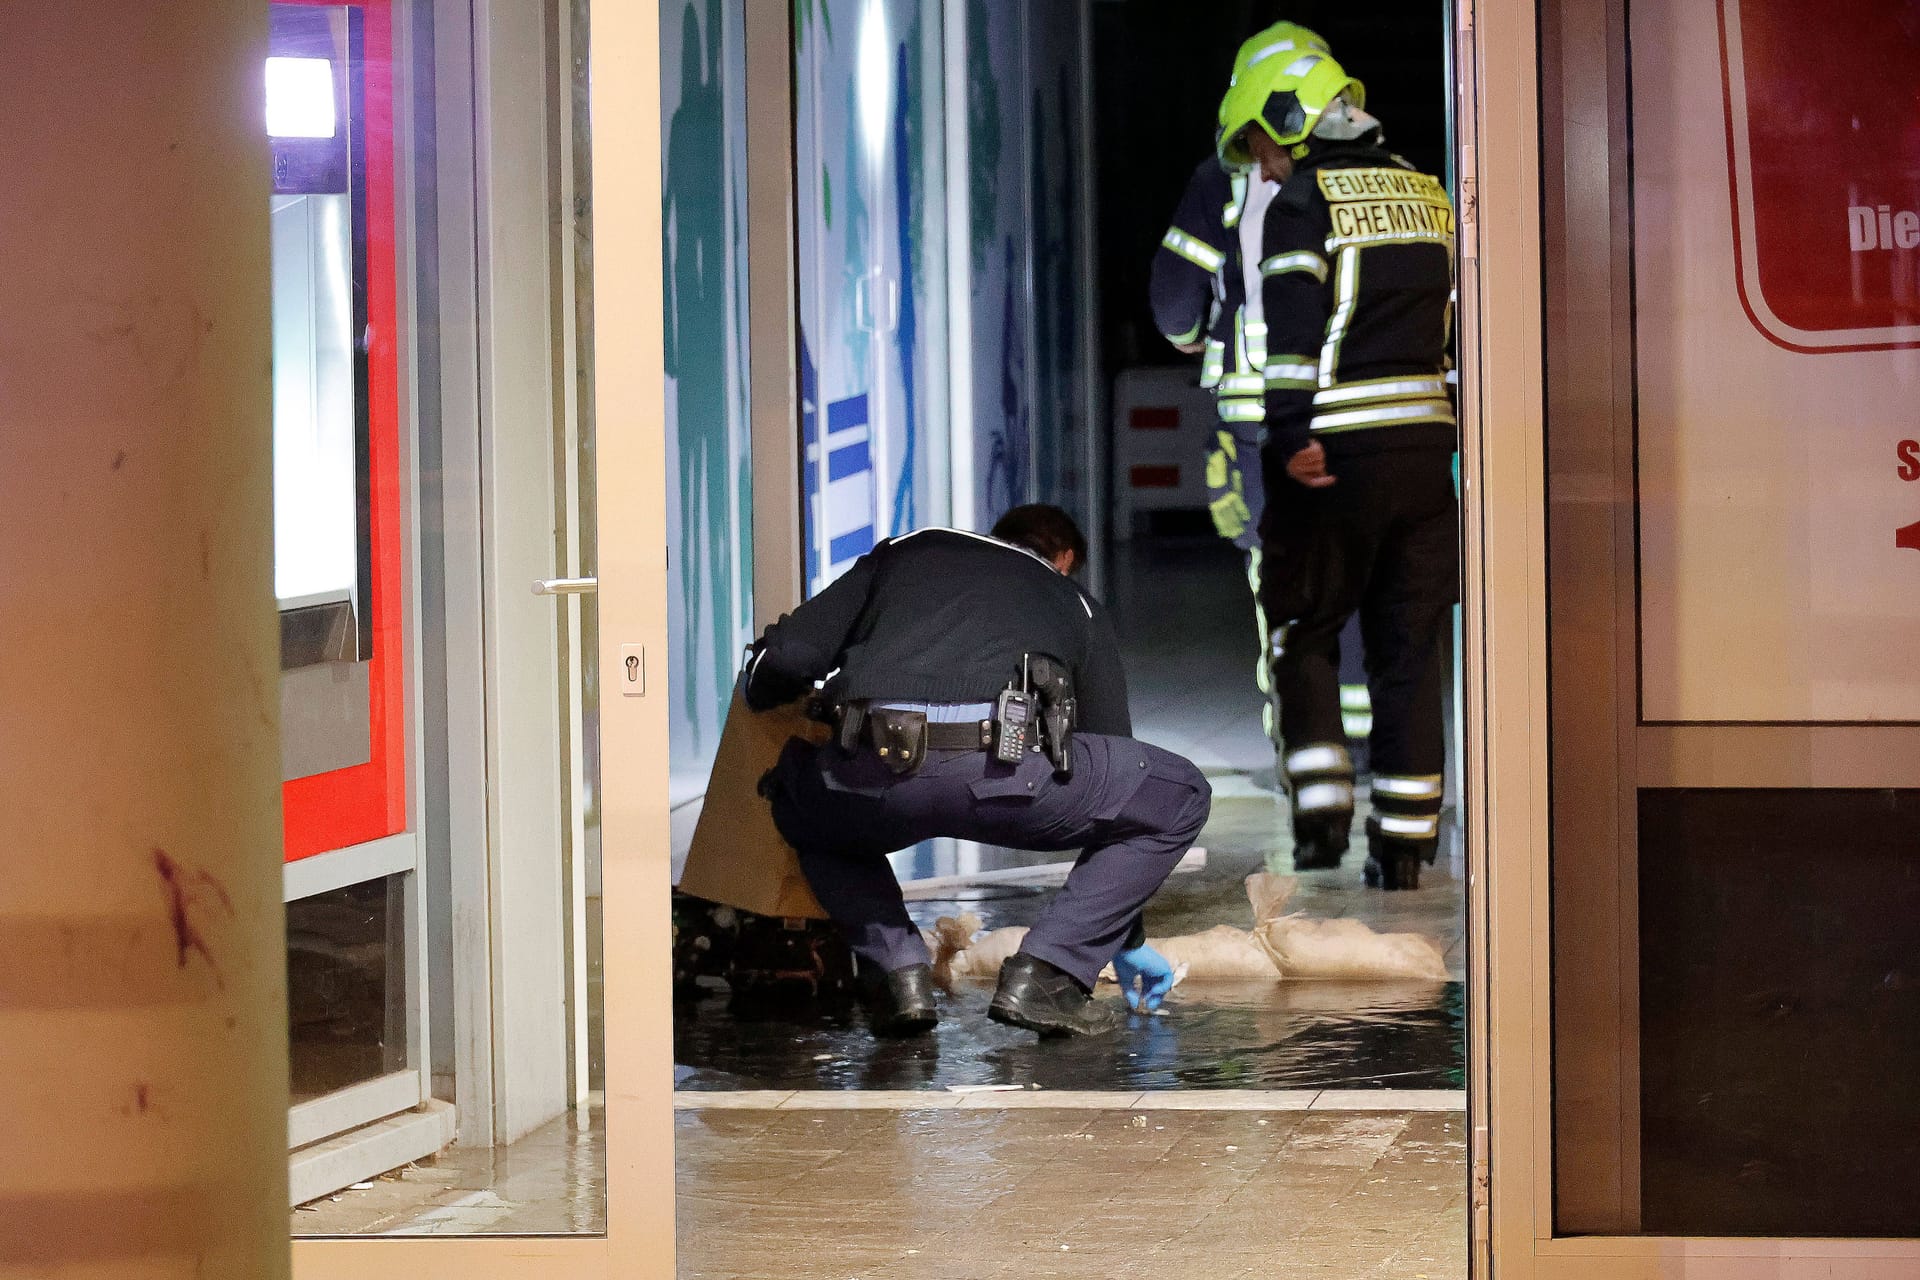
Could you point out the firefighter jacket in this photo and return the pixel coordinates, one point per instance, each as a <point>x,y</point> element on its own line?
<point>1190,266</point>
<point>1199,284</point>
<point>1357,280</point>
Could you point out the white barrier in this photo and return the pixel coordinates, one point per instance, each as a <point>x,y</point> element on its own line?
<point>1163,421</point>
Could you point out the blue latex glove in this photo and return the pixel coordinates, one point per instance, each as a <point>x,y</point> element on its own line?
<point>1147,970</point>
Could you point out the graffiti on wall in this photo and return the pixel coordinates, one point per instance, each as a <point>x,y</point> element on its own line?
<point>710,500</point>
<point>871,277</point>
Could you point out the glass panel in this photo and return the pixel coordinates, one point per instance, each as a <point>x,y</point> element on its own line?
<point>316,477</point>
<point>1733,311</point>
<point>710,509</point>
<point>315,115</point>
<point>872,279</point>
<point>346,987</point>
<point>586,921</point>
<point>998,216</point>
<point>1777,1012</point>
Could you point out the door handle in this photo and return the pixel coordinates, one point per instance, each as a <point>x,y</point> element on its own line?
<point>565,586</point>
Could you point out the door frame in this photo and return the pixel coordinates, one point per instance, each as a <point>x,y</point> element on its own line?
<point>630,398</point>
<point>1510,905</point>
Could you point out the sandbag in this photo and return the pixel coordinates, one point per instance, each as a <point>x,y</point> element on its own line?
<point>1221,954</point>
<point>1303,948</point>
<point>960,950</point>
<point>1279,945</point>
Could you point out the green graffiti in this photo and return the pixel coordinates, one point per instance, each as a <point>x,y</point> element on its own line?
<point>917,127</point>
<point>826,196</point>
<point>983,128</point>
<point>804,12</point>
<point>857,229</point>
<point>694,244</point>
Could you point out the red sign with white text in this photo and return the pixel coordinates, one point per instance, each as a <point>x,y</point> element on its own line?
<point>1823,137</point>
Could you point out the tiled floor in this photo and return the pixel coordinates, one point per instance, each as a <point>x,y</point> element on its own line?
<point>836,1160</point>
<point>550,1182</point>
<point>1094,1194</point>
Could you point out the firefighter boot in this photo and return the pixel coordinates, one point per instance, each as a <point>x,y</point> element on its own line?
<point>1320,785</point>
<point>1320,840</point>
<point>1394,862</point>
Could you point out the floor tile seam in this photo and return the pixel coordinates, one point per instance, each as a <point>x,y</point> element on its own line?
<point>1331,1100</point>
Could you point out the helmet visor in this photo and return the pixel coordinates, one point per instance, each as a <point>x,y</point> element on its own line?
<point>1283,117</point>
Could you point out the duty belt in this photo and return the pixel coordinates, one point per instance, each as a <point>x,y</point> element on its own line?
<point>963,736</point>
<point>974,733</point>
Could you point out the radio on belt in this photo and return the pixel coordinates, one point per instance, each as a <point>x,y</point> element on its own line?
<point>1014,722</point>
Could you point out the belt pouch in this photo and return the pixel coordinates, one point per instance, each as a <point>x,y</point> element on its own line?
<point>900,737</point>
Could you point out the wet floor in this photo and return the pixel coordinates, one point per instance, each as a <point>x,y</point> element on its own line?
<point>1192,692</point>
<point>1266,1036</point>
<point>1270,1035</point>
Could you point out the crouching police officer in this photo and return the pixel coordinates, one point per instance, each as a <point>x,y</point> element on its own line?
<point>977,693</point>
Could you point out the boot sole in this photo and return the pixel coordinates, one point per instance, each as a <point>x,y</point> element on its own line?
<point>905,1022</point>
<point>1401,872</point>
<point>903,1027</point>
<point>1012,1013</point>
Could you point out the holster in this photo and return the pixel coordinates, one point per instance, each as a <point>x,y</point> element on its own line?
<point>1059,710</point>
<point>899,737</point>
<point>852,719</point>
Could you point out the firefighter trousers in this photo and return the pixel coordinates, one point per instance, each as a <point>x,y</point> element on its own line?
<point>1382,542</point>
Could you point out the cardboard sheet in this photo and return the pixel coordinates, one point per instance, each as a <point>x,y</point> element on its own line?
<point>737,857</point>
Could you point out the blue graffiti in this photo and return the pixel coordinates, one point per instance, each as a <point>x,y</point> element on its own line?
<point>1006,484</point>
<point>905,515</point>
<point>809,450</point>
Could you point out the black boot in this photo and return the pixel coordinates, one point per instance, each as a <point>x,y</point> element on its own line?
<point>1035,995</point>
<point>1395,864</point>
<point>1319,842</point>
<point>899,1003</point>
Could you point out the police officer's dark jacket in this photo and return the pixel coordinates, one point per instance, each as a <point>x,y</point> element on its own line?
<point>942,616</point>
<point>1357,277</point>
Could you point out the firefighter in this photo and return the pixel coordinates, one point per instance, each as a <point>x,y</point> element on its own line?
<point>1203,306</point>
<point>1200,288</point>
<point>1356,273</point>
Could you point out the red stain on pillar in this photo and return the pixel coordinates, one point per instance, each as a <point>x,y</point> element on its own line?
<point>182,897</point>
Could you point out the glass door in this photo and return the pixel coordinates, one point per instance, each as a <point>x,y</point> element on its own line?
<point>522,237</point>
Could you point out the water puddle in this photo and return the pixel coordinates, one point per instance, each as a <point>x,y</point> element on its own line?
<point>1299,1035</point>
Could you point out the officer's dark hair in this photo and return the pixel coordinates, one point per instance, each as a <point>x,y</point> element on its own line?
<point>1044,530</point>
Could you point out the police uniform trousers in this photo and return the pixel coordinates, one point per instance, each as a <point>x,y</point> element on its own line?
<point>1132,808</point>
<point>1381,542</point>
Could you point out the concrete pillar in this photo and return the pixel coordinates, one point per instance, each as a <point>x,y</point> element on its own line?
<point>143,1034</point>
